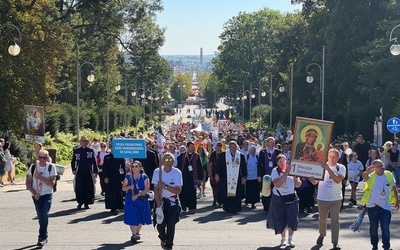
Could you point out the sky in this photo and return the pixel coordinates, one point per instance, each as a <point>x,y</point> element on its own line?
<point>192,24</point>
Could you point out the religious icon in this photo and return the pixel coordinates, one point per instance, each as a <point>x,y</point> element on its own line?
<point>310,147</point>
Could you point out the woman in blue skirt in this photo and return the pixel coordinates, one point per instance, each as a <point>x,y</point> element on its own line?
<point>137,207</point>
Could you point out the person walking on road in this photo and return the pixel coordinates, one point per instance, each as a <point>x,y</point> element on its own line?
<point>190,165</point>
<point>84,167</point>
<point>231,174</point>
<point>166,195</point>
<point>284,213</point>
<point>329,197</point>
<point>380,193</point>
<point>266,162</point>
<point>137,207</point>
<point>40,179</point>
<point>113,173</point>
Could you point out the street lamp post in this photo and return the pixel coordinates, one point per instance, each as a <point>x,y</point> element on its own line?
<point>108,104</point>
<point>126,86</point>
<point>395,48</point>
<point>90,79</point>
<point>262,93</point>
<point>310,79</point>
<point>282,89</point>
<point>13,49</point>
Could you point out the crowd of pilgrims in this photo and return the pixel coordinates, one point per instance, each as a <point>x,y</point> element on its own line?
<point>203,157</point>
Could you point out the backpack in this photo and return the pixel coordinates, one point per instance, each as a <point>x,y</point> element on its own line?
<point>248,156</point>
<point>49,169</point>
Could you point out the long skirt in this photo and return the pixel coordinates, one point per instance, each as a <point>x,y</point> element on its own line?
<point>281,215</point>
<point>252,192</point>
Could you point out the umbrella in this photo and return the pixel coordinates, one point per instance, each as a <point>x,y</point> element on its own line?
<point>357,223</point>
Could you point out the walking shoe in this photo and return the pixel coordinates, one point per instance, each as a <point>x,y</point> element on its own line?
<point>1,185</point>
<point>133,238</point>
<point>13,183</point>
<point>320,240</point>
<point>137,236</point>
<point>283,242</point>
<point>79,207</point>
<point>336,246</point>
<point>291,243</point>
<point>162,243</point>
<point>41,242</point>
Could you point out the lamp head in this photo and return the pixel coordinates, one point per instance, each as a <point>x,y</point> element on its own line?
<point>253,96</point>
<point>281,89</point>
<point>118,87</point>
<point>142,96</point>
<point>133,93</point>
<point>90,77</point>
<point>263,93</point>
<point>395,49</point>
<point>309,78</point>
<point>14,49</point>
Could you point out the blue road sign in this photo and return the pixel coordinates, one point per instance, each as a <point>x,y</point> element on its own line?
<point>393,125</point>
<point>129,148</point>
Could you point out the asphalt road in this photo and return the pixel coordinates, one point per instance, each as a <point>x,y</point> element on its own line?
<point>208,228</point>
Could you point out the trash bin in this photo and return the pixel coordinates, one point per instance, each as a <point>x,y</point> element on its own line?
<point>53,154</point>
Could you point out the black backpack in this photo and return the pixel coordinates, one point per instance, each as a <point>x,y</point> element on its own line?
<point>49,169</point>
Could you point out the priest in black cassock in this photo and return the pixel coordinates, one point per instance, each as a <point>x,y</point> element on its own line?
<point>84,167</point>
<point>231,174</point>
<point>192,172</point>
<point>114,173</point>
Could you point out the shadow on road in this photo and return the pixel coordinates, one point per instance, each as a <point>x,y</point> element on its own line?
<point>256,217</point>
<point>30,247</point>
<point>69,200</point>
<point>274,248</point>
<point>117,246</point>
<point>97,216</point>
<point>65,212</point>
<point>118,218</point>
<point>14,191</point>
<point>214,216</point>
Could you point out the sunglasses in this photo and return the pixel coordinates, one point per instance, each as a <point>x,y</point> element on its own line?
<point>103,146</point>
<point>43,157</point>
<point>136,166</point>
<point>337,146</point>
<point>168,159</point>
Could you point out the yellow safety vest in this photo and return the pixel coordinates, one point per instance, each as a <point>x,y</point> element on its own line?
<point>370,184</point>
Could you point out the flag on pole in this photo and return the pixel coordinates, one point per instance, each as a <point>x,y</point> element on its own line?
<point>357,223</point>
<point>160,142</point>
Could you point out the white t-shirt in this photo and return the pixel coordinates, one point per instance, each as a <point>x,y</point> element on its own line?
<point>172,179</point>
<point>381,185</point>
<point>287,187</point>
<point>96,147</point>
<point>328,189</point>
<point>38,185</point>
<point>354,168</point>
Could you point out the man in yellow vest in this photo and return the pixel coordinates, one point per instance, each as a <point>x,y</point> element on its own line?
<point>380,193</point>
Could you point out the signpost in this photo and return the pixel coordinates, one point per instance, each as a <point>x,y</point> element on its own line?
<point>393,125</point>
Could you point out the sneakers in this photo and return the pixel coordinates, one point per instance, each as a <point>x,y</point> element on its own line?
<point>291,243</point>
<point>41,242</point>
<point>320,240</point>
<point>13,183</point>
<point>283,242</point>
<point>1,185</point>
<point>159,215</point>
